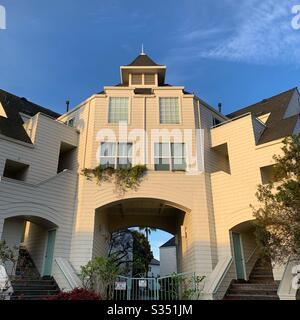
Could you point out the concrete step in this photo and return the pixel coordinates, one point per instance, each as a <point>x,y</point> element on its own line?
<point>250,297</point>
<point>262,277</point>
<point>251,291</point>
<point>29,297</point>
<point>35,292</point>
<point>35,287</point>
<point>255,286</point>
<point>28,282</point>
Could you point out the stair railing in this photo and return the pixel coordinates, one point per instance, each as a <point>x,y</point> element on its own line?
<point>67,271</point>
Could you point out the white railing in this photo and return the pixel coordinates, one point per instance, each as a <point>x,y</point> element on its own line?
<point>65,275</point>
<point>217,277</point>
<point>251,255</point>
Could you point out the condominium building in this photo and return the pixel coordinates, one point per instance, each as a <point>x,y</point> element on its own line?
<point>203,169</point>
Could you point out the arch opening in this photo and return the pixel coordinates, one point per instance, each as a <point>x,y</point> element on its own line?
<point>31,239</point>
<point>244,249</point>
<point>131,214</point>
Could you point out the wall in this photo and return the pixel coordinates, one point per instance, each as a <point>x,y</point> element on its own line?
<point>199,247</point>
<point>35,242</point>
<point>45,195</point>
<point>233,193</point>
<point>168,260</point>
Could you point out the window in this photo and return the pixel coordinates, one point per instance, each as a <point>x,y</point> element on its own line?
<point>15,170</point>
<point>149,79</point>
<point>169,111</point>
<point>71,122</point>
<point>67,157</point>
<point>178,156</point>
<point>169,157</point>
<point>116,155</point>
<point>118,110</point>
<point>136,79</point>
<point>216,121</point>
<point>267,174</point>
<point>162,156</point>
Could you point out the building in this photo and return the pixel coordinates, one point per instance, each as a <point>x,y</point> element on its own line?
<point>168,258</point>
<point>154,269</point>
<point>203,171</point>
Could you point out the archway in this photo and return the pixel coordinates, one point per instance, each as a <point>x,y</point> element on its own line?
<point>138,212</point>
<point>244,249</point>
<point>32,240</point>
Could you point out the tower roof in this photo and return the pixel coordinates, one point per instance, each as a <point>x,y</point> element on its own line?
<point>143,64</point>
<point>143,61</point>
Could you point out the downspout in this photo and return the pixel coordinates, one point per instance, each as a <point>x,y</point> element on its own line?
<point>145,131</point>
<point>87,134</point>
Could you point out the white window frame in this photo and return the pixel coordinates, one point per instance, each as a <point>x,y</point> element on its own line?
<point>128,110</point>
<point>155,84</point>
<point>116,156</point>
<point>179,111</point>
<point>170,157</point>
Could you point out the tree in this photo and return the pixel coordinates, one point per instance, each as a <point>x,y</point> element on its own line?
<point>100,275</point>
<point>142,254</point>
<point>121,250</point>
<point>131,252</point>
<point>147,231</point>
<point>278,219</point>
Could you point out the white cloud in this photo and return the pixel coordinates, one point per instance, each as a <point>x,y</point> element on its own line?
<point>258,31</point>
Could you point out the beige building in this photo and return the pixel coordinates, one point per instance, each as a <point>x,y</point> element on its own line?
<point>203,171</point>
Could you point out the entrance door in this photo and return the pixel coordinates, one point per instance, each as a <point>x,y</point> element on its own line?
<point>49,253</point>
<point>238,256</point>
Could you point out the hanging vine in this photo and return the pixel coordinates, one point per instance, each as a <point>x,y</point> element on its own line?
<point>124,179</point>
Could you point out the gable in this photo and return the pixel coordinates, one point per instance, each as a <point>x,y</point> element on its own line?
<point>294,106</point>
<point>2,111</point>
<point>297,127</point>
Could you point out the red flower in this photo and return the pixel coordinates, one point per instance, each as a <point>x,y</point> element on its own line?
<point>76,294</point>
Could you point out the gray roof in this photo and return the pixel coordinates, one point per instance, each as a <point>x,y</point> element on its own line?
<point>276,126</point>
<point>143,61</point>
<point>170,243</point>
<point>12,126</point>
<point>155,262</point>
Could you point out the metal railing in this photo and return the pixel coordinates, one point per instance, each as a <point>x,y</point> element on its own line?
<point>186,286</point>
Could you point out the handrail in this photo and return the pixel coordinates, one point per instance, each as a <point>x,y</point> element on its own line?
<point>223,276</point>
<point>218,275</point>
<point>251,254</point>
<point>68,273</point>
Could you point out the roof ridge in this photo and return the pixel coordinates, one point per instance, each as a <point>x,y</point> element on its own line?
<point>24,99</point>
<point>263,101</point>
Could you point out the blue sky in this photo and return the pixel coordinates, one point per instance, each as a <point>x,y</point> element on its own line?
<point>236,52</point>
<point>232,51</point>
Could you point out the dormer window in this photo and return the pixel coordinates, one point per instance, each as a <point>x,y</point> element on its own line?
<point>143,79</point>
<point>149,79</point>
<point>136,79</point>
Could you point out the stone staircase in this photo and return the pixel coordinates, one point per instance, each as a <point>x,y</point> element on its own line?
<point>261,285</point>
<point>28,284</point>
<point>38,289</point>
